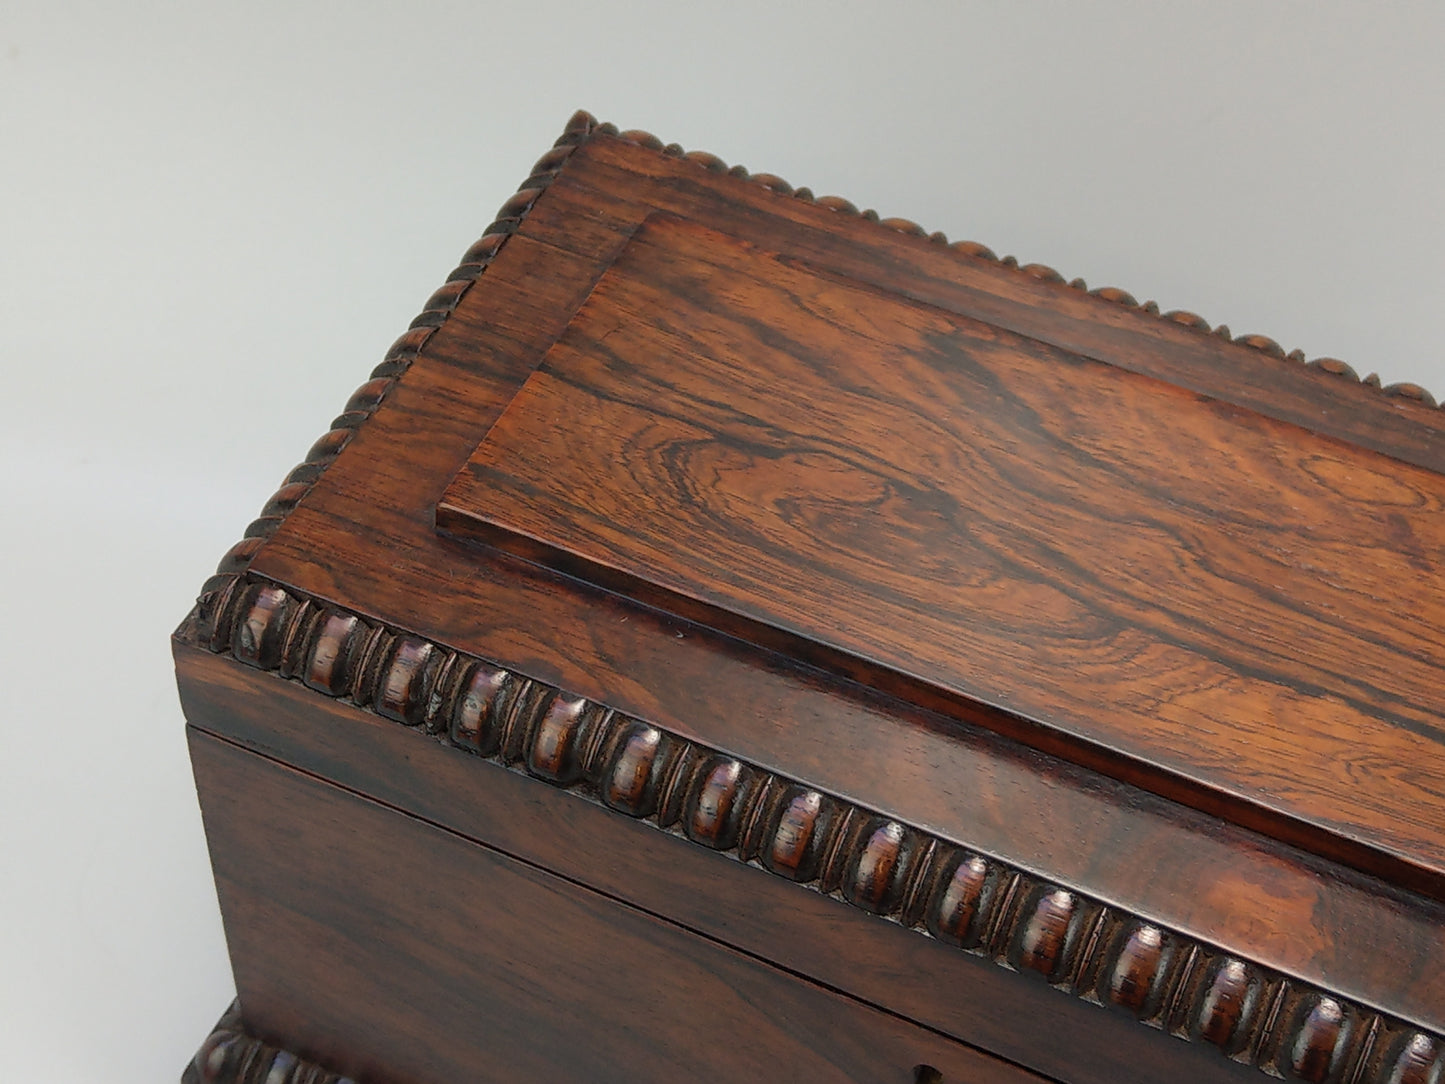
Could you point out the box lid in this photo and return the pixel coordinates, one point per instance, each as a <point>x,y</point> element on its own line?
<point>1157,582</point>
<point>693,444</point>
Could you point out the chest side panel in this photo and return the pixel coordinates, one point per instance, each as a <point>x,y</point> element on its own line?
<point>460,963</point>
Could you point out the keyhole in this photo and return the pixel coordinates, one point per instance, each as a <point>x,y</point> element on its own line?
<point>926,1074</point>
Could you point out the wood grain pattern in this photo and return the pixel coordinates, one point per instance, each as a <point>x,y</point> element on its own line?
<point>935,507</point>
<point>1077,944</point>
<point>1367,948</point>
<point>1039,272</point>
<point>1325,396</point>
<point>403,352</point>
<point>958,994</point>
<point>870,777</point>
<point>459,963</point>
<point>357,526</point>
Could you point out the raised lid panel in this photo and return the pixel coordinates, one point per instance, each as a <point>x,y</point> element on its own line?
<point>960,514</point>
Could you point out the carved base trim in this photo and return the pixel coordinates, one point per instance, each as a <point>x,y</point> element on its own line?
<point>230,1056</point>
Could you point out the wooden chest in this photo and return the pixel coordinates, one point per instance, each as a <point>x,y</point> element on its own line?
<point>734,638</point>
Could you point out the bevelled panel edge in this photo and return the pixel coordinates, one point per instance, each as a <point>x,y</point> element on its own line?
<point>579,129</point>
<point>230,1055</point>
<point>1412,393</point>
<point>399,357</point>
<point>972,901</point>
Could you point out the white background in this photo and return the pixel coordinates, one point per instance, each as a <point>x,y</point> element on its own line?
<point>214,220</point>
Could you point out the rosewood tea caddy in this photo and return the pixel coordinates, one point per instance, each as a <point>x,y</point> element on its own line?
<point>732,637</point>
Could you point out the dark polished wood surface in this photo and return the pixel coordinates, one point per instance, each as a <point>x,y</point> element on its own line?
<point>413,956</point>
<point>918,499</point>
<point>1260,770</point>
<point>1309,922</point>
<point>365,536</point>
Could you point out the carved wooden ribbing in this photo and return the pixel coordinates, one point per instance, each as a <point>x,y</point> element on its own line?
<point>981,905</point>
<point>230,1056</point>
<point>404,351</point>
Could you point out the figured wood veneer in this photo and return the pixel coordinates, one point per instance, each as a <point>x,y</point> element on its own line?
<point>1084,876</point>
<point>957,896</point>
<point>934,506</point>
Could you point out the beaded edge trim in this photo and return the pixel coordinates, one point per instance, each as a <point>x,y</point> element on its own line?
<point>974,902</point>
<point>1041,272</point>
<point>403,352</point>
<point>230,1056</point>
<point>1099,953</point>
<point>580,128</point>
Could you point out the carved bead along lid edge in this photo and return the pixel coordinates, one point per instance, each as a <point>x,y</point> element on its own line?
<point>972,901</point>
<point>644,153</point>
<point>582,127</point>
<point>1042,272</point>
<point>1017,920</point>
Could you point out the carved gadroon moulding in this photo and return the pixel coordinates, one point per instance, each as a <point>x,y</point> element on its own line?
<point>959,896</point>
<point>231,1056</point>
<point>582,127</point>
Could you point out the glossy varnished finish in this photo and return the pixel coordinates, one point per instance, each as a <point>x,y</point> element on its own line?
<point>1236,878</point>
<point>922,500</point>
<point>369,507</point>
<point>1195,991</point>
<point>417,956</point>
